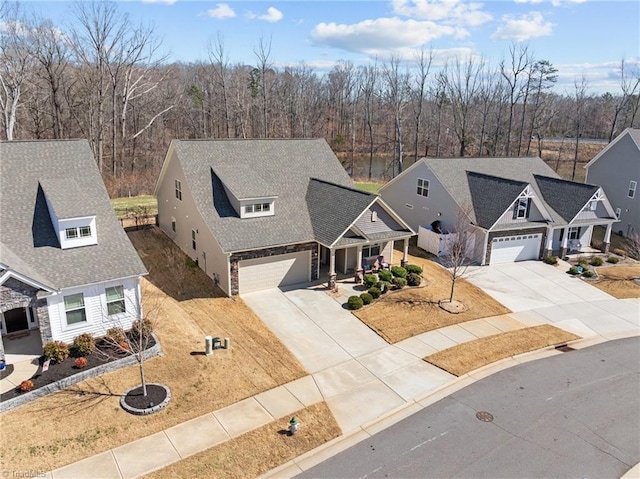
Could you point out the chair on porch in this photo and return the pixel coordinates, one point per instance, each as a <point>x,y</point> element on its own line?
<point>382,264</point>
<point>366,267</point>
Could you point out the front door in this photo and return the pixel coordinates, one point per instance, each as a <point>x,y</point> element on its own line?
<point>16,320</point>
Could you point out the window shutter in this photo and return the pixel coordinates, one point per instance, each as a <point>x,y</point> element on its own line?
<point>515,210</point>
<point>528,207</point>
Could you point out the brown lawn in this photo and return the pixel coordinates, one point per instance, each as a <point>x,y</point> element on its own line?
<point>472,355</point>
<point>402,314</point>
<point>86,419</point>
<point>618,281</point>
<point>257,452</point>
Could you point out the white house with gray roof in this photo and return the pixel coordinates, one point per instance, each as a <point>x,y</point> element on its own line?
<point>259,214</point>
<point>617,169</point>
<point>66,265</point>
<point>517,208</point>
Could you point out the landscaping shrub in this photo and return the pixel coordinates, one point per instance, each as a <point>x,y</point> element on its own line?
<point>370,280</point>
<point>619,252</point>
<point>189,263</point>
<point>366,298</point>
<point>124,345</point>
<point>398,272</point>
<point>144,328</point>
<point>385,275</point>
<point>413,268</point>
<point>26,385</point>
<point>383,286</point>
<point>551,260</point>
<point>374,292</point>
<point>588,274</point>
<point>84,345</point>
<point>583,261</point>
<point>116,335</point>
<point>573,270</point>
<point>80,362</point>
<point>355,302</point>
<point>56,351</point>
<point>399,282</point>
<point>612,259</point>
<point>597,261</point>
<point>414,279</point>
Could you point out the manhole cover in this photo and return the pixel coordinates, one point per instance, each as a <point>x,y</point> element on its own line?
<point>484,416</point>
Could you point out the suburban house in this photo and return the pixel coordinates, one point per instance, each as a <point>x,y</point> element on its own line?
<point>259,214</point>
<point>511,209</point>
<point>66,265</point>
<point>617,169</point>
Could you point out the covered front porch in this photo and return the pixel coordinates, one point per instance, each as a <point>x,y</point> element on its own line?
<point>355,257</point>
<point>575,238</point>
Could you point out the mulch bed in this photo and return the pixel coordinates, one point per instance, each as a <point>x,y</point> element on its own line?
<point>6,371</point>
<point>155,395</point>
<point>105,353</point>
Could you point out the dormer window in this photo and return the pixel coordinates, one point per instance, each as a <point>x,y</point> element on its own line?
<point>255,209</point>
<point>77,232</point>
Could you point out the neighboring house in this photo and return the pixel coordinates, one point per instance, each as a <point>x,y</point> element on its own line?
<point>617,169</point>
<point>516,208</point>
<point>66,265</point>
<point>258,214</point>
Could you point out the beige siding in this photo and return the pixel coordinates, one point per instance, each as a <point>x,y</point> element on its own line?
<point>214,262</point>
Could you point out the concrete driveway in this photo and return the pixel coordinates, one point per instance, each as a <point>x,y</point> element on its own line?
<point>539,293</point>
<point>350,364</point>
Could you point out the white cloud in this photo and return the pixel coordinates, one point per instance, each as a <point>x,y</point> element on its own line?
<point>529,1</point>
<point>382,34</point>
<point>166,2</point>
<point>520,29</point>
<point>450,11</point>
<point>222,10</point>
<point>559,3</point>
<point>273,15</point>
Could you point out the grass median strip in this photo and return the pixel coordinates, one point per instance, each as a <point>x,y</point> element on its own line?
<point>472,355</point>
<point>257,452</point>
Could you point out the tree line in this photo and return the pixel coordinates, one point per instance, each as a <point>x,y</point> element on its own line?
<point>106,79</point>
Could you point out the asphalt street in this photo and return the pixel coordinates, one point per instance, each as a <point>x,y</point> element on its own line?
<point>572,415</point>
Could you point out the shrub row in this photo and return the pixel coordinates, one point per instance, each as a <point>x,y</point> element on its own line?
<point>379,284</point>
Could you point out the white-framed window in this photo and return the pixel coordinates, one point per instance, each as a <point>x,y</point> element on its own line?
<point>194,244</point>
<point>115,300</point>
<point>178,185</point>
<point>173,225</point>
<point>423,187</point>
<point>371,250</point>
<point>593,205</point>
<point>574,233</point>
<point>74,308</point>
<point>77,232</point>
<point>618,212</point>
<point>257,208</point>
<point>632,189</point>
<point>521,209</point>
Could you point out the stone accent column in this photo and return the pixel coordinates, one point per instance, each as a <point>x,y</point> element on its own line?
<point>405,252</point>
<point>43,319</point>
<point>548,251</point>
<point>607,239</point>
<point>332,269</point>
<point>565,239</point>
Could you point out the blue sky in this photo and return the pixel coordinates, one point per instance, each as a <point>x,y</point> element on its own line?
<point>579,37</point>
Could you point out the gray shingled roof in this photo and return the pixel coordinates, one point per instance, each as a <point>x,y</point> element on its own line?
<point>567,198</point>
<point>67,198</point>
<point>27,238</point>
<point>488,208</point>
<point>452,173</point>
<point>302,173</point>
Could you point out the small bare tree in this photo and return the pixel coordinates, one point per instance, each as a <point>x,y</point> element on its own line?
<point>459,248</point>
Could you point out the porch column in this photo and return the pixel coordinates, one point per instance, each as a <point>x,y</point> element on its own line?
<point>405,252</point>
<point>607,238</point>
<point>359,276</point>
<point>548,250</point>
<point>332,268</point>
<point>563,248</point>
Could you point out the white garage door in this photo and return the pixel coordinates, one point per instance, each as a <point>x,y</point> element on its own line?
<point>273,271</point>
<point>514,248</point>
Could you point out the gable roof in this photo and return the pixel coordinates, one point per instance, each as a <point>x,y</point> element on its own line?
<point>303,175</point>
<point>28,242</point>
<point>567,198</point>
<point>488,208</point>
<point>633,133</point>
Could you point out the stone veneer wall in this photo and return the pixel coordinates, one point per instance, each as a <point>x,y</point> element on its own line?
<point>528,231</point>
<point>261,253</point>
<point>15,294</point>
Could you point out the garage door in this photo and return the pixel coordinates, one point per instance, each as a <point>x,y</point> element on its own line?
<point>273,271</point>
<point>515,248</point>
